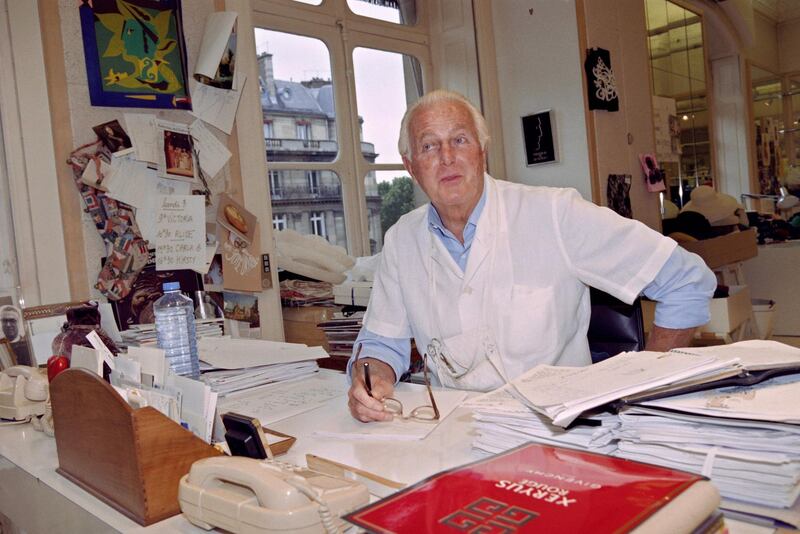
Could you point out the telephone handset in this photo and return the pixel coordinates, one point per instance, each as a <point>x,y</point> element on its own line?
<point>23,392</point>
<point>241,494</point>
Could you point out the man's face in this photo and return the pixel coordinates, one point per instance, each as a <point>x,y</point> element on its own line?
<point>446,157</point>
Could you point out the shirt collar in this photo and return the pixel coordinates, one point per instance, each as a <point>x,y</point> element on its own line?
<point>435,221</point>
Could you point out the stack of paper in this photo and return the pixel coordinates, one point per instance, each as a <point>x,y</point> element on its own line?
<point>563,393</point>
<point>145,334</point>
<point>502,422</point>
<point>341,333</point>
<point>248,363</point>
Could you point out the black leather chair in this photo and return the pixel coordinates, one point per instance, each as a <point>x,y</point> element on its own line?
<point>614,326</point>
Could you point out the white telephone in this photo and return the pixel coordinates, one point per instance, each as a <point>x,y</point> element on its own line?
<point>241,494</point>
<point>23,392</point>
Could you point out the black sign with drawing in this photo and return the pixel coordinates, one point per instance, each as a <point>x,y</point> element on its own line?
<point>539,132</point>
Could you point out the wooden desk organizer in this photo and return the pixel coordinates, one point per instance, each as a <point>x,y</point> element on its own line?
<point>131,459</point>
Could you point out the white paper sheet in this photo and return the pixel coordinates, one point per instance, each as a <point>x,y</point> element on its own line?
<point>153,362</point>
<point>141,128</point>
<point>131,182</point>
<point>86,358</point>
<point>181,233</point>
<point>211,153</point>
<point>215,39</point>
<point>147,214</point>
<point>228,353</point>
<point>215,106</point>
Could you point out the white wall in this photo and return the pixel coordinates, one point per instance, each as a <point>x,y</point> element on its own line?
<point>539,67</point>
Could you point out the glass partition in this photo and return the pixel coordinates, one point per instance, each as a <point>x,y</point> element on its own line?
<point>678,71</point>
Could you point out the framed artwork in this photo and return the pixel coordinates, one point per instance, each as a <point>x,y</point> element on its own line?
<point>538,131</point>
<point>135,54</point>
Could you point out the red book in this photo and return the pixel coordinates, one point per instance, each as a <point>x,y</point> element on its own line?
<point>546,489</point>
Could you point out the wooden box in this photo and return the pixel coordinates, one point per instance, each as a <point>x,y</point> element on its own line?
<point>300,324</point>
<point>726,249</point>
<point>131,459</point>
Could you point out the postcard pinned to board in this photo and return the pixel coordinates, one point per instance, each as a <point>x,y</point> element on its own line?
<point>176,152</point>
<point>217,59</point>
<point>241,263</point>
<point>234,217</point>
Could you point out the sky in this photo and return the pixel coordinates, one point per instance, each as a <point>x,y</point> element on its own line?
<point>380,86</point>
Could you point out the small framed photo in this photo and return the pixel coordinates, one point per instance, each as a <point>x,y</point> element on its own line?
<point>539,133</point>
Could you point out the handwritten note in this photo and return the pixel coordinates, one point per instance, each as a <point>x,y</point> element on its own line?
<point>181,233</point>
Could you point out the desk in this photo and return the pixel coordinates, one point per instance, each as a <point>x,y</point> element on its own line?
<point>37,499</point>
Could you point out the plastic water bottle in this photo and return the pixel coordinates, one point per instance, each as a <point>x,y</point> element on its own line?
<point>176,331</point>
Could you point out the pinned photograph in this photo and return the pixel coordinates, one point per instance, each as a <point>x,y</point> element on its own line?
<point>654,175</point>
<point>96,173</point>
<point>217,59</point>
<point>241,307</point>
<point>232,216</point>
<point>176,152</point>
<point>212,280</point>
<point>114,137</point>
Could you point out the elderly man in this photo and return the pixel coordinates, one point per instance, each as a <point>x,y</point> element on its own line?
<point>491,278</point>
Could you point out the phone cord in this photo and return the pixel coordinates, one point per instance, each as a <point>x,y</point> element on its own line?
<point>325,515</point>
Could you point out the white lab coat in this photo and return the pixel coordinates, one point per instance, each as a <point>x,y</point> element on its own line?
<point>523,299</point>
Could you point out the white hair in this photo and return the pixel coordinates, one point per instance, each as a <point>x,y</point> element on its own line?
<point>435,97</point>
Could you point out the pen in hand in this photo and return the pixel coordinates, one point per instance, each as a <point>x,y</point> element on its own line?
<point>367,381</point>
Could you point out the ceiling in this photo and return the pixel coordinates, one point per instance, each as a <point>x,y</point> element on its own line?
<point>778,10</point>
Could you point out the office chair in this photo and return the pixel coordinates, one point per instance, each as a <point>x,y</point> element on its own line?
<point>614,326</point>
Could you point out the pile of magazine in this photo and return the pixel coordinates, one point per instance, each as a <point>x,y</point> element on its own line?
<point>731,413</point>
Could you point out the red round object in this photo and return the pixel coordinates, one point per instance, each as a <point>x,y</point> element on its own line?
<point>56,364</point>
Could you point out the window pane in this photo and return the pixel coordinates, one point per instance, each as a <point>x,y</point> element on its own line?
<point>390,194</point>
<point>397,11</point>
<point>309,202</point>
<point>386,83</point>
<point>296,97</point>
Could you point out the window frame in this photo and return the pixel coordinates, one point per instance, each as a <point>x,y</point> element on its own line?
<point>342,31</point>
<point>278,220</point>
<point>315,217</point>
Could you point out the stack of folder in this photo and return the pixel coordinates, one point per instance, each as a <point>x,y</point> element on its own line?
<point>730,412</point>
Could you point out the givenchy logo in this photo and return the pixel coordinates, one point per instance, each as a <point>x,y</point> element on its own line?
<point>486,516</point>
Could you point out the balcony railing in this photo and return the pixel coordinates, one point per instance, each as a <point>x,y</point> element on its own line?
<point>305,192</point>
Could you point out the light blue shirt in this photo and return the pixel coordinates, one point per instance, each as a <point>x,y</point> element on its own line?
<point>681,289</point>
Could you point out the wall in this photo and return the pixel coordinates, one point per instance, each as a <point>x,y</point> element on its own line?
<point>764,51</point>
<point>789,46</point>
<point>619,26</point>
<point>538,68</point>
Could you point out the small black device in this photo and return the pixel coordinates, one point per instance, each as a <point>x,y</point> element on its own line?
<point>244,436</point>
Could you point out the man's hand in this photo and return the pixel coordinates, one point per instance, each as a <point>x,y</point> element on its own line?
<point>368,408</point>
<point>664,339</point>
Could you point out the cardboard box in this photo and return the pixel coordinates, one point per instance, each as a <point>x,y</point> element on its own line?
<point>300,324</point>
<point>722,250</point>
<point>727,314</point>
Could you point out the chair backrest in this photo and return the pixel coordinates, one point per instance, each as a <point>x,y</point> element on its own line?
<point>614,326</point>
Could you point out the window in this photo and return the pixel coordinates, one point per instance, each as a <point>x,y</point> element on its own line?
<point>269,131</point>
<point>317,219</point>
<point>275,188</point>
<point>279,221</point>
<point>312,178</point>
<point>347,146</point>
<point>303,130</point>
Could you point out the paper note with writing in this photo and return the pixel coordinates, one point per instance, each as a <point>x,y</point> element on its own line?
<point>215,106</point>
<point>278,401</point>
<point>181,233</point>
<point>211,153</point>
<point>141,129</point>
<point>147,213</point>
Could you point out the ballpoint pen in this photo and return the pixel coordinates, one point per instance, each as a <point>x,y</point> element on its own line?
<point>367,381</point>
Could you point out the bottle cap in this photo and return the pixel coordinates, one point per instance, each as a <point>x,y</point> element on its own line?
<point>171,286</point>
